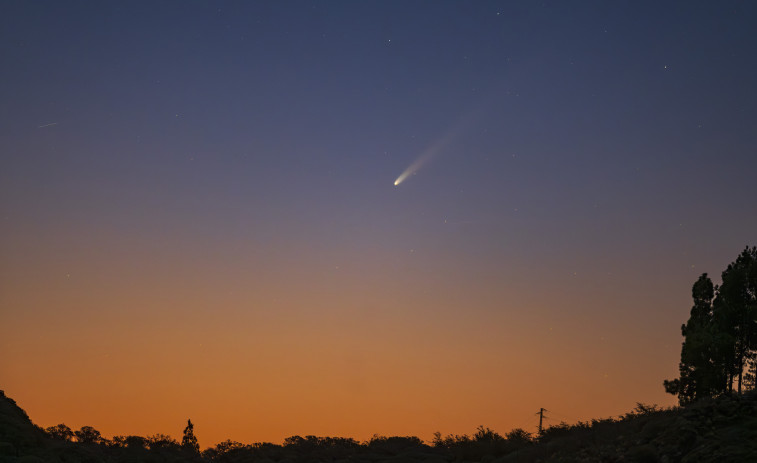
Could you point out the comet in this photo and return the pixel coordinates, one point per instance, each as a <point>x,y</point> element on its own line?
<point>424,158</point>
<point>434,149</point>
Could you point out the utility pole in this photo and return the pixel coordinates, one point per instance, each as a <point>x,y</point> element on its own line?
<point>541,418</point>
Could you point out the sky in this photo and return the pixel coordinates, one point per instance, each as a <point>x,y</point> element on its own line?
<point>354,218</point>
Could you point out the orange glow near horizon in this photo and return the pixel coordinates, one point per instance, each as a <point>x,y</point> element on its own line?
<point>351,351</point>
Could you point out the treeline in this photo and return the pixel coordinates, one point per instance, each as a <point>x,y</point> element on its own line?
<point>714,430</point>
<point>87,444</point>
<point>718,355</point>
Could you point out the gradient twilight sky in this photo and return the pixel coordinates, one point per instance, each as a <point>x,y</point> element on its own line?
<point>199,217</point>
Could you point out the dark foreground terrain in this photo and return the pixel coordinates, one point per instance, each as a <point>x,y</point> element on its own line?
<point>714,430</point>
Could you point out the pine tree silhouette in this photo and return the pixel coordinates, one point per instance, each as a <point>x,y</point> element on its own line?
<point>189,441</point>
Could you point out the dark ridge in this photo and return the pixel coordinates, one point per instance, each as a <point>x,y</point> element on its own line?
<point>17,432</point>
<point>721,429</point>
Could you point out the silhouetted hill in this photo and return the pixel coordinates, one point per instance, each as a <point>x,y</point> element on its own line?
<point>16,429</point>
<point>722,430</point>
<point>712,430</point>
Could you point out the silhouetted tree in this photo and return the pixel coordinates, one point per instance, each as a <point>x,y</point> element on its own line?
<point>88,434</point>
<point>699,375</point>
<point>750,377</point>
<point>735,312</point>
<point>132,442</point>
<point>228,446</point>
<point>484,434</point>
<point>720,336</point>
<point>158,441</point>
<point>189,441</point>
<point>60,431</point>
<point>519,436</point>
<point>393,444</point>
<point>450,440</point>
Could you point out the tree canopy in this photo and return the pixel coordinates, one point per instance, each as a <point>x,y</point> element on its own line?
<point>720,337</point>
